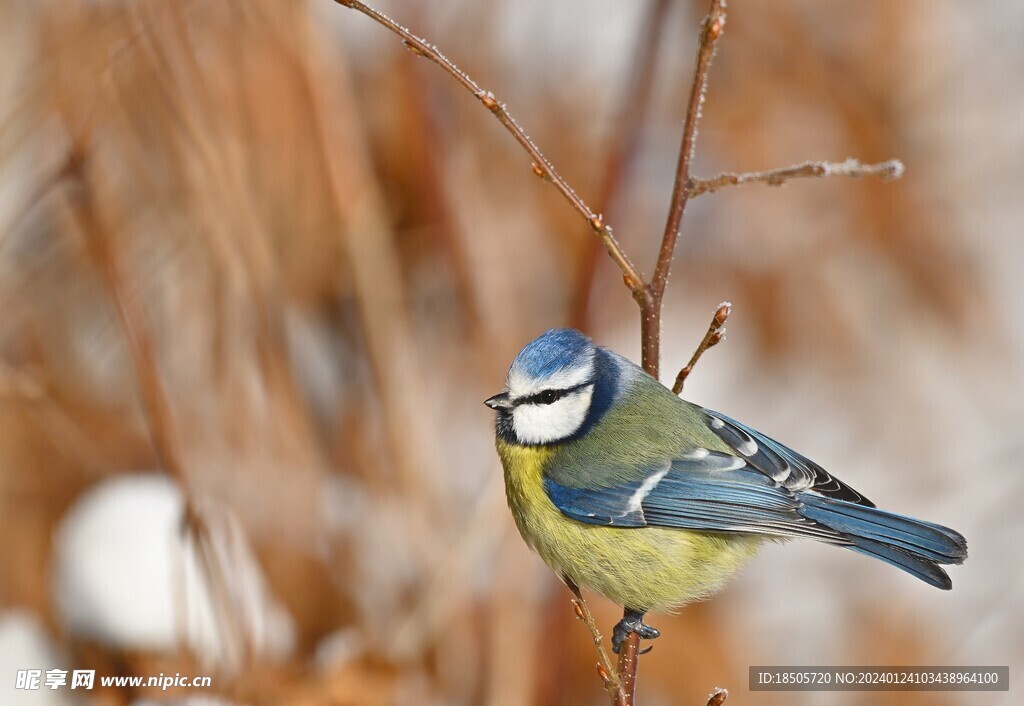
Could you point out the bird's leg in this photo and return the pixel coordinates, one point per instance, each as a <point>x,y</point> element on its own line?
<point>632,621</point>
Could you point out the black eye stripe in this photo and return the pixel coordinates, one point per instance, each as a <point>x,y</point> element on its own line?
<point>546,397</point>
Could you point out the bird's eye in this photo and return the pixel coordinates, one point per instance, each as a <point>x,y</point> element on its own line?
<point>548,396</point>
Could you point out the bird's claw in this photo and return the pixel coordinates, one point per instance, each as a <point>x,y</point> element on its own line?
<point>632,622</point>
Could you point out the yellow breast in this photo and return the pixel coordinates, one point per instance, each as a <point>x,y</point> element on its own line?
<point>648,568</point>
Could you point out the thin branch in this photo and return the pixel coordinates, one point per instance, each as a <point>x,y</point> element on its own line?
<point>650,318</point>
<point>715,335</point>
<point>542,167</point>
<point>605,669</point>
<point>892,169</point>
<point>629,121</point>
<point>711,29</point>
<point>629,660</point>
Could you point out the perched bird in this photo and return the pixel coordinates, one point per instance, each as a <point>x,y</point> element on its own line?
<point>626,489</point>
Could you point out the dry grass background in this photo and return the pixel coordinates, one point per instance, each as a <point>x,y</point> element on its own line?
<point>338,253</point>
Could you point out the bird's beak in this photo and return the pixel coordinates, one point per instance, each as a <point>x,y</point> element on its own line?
<point>499,401</point>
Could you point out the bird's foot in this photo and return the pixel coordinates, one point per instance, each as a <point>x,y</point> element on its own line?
<point>632,621</point>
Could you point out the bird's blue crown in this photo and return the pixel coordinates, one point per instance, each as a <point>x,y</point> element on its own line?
<point>557,349</point>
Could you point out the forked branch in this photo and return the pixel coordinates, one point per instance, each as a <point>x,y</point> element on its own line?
<point>620,682</point>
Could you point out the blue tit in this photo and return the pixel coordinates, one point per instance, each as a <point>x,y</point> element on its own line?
<point>653,502</point>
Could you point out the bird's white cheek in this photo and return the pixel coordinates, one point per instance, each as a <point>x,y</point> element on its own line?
<point>543,424</point>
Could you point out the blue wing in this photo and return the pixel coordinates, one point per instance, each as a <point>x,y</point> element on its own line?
<point>763,488</point>
<point>713,492</point>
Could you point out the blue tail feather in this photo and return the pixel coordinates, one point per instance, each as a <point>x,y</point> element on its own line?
<point>915,546</point>
<point>927,571</point>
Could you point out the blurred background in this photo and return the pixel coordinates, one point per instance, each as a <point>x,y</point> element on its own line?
<point>260,265</point>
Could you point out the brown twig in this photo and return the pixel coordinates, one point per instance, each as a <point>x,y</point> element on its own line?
<point>892,169</point>
<point>650,322</point>
<point>542,167</point>
<point>605,669</point>
<point>629,660</point>
<point>715,335</point>
<point>631,113</point>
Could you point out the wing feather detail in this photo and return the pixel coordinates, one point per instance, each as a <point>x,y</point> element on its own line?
<point>710,495</point>
<point>784,465</point>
